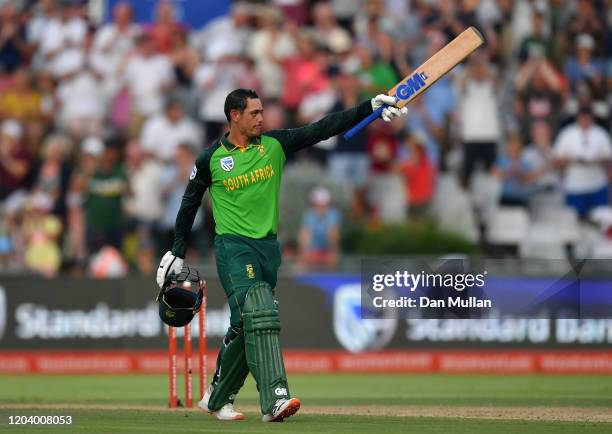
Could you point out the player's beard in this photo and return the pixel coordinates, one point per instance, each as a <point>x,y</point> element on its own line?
<point>254,133</point>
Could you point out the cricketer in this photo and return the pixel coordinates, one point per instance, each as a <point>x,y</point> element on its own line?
<point>242,171</point>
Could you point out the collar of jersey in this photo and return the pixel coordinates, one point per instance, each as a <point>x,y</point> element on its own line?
<point>229,146</point>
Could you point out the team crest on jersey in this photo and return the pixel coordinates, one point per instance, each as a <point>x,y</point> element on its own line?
<point>194,172</point>
<point>227,163</point>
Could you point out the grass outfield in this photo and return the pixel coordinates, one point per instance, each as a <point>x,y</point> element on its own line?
<point>330,403</point>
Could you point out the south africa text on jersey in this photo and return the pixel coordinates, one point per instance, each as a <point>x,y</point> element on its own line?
<point>249,178</point>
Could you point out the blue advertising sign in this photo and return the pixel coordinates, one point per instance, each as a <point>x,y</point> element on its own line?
<point>193,13</point>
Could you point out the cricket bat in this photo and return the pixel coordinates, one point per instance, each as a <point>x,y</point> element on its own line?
<point>428,73</point>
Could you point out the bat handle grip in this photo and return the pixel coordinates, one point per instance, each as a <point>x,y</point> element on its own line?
<point>364,122</point>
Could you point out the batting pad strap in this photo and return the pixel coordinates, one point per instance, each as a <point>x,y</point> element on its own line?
<point>261,320</point>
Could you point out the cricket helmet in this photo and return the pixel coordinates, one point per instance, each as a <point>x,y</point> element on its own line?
<point>180,297</point>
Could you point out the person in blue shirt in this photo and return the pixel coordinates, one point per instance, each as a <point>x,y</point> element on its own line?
<point>319,237</point>
<point>514,172</point>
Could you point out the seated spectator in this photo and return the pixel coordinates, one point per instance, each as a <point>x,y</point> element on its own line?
<point>584,71</point>
<point>53,173</point>
<point>14,211</point>
<point>419,175</point>
<point>163,133</point>
<point>319,238</point>
<point>583,151</point>
<point>513,171</point>
<point>13,46</point>
<point>589,18</point>
<point>49,106</point>
<point>15,161</point>
<point>107,264</point>
<point>385,195</point>
<point>21,101</point>
<point>42,231</point>
<point>540,159</point>
<point>6,245</point>
<point>104,201</point>
<point>87,163</point>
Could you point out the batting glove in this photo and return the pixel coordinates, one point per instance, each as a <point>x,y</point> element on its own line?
<point>169,264</point>
<point>391,112</point>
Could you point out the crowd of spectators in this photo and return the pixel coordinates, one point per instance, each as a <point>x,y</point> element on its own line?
<point>101,121</point>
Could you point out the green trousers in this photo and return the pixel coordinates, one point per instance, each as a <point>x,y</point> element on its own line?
<point>241,262</point>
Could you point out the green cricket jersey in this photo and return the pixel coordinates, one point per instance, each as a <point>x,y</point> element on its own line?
<point>244,183</point>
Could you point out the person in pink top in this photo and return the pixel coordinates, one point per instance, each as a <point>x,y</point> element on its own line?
<point>164,27</point>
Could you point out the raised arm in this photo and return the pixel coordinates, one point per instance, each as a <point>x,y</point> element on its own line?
<point>331,125</point>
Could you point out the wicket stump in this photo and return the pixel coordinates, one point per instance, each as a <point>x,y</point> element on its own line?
<point>188,356</point>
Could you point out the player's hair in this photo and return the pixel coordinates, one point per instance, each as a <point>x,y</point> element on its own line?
<point>237,100</point>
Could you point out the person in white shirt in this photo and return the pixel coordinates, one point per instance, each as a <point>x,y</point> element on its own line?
<point>62,34</point>
<point>268,47</point>
<point>148,77</point>
<point>163,133</point>
<point>83,104</point>
<point>145,205</point>
<point>113,42</point>
<point>480,126</point>
<point>583,151</point>
<point>225,36</point>
<point>214,80</point>
<point>42,14</point>
<point>327,32</point>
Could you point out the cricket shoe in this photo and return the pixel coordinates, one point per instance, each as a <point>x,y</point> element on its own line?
<point>227,412</point>
<point>203,404</point>
<point>282,410</point>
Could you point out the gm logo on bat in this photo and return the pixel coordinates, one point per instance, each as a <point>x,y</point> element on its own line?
<point>411,86</point>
